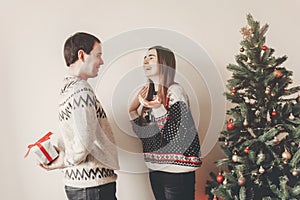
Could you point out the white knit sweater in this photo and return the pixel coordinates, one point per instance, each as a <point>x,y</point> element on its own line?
<point>89,145</point>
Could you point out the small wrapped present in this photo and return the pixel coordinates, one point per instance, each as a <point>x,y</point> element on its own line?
<point>44,150</point>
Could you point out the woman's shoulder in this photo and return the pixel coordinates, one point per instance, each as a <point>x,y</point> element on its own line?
<point>177,93</point>
<point>176,87</point>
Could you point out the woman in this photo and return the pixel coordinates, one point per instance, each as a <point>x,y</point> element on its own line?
<point>166,128</point>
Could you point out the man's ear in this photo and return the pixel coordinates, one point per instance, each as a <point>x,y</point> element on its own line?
<point>80,55</point>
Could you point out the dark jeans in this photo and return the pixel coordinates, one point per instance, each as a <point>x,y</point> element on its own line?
<point>103,192</point>
<point>173,186</point>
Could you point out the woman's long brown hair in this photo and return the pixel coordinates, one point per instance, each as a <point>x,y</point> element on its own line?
<point>167,67</point>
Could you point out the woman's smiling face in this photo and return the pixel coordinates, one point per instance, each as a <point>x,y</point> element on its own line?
<point>151,66</point>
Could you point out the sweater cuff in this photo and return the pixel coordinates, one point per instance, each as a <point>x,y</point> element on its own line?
<point>159,112</point>
<point>68,164</point>
<point>133,115</point>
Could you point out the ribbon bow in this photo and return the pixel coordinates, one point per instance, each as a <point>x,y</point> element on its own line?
<point>38,143</point>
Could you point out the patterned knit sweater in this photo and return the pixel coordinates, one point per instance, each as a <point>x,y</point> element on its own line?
<point>169,137</point>
<point>89,146</point>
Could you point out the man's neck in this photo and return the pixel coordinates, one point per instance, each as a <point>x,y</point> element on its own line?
<point>74,70</point>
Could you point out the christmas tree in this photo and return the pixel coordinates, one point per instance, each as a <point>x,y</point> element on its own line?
<point>262,137</point>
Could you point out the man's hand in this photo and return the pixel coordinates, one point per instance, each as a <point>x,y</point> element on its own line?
<point>58,163</point>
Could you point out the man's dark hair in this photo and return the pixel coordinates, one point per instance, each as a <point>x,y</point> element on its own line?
<point>78,41</point>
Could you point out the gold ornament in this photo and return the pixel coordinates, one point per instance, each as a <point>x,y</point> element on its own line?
<point>245,123</point>
<point>226,143</point>
<point>268,90</point>
<point>286,156</point>
<point>241,181</point>
<point>261,170</point>
<point>291,117</point>
<point>293,143</point>
<point>295,172</point>
<point>273,94</point>
<point>257,112</point>
<point>235,158</point>
<point>246,32</point>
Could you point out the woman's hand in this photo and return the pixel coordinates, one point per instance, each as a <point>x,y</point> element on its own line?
<point>58,163</point>
<point>150,104</point>
<point>155,103</point>
<point>136,101</point>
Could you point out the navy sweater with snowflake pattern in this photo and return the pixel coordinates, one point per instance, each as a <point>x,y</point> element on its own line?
<point>170,140</point>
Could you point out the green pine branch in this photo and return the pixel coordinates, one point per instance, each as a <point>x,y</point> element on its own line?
<point>259,87</point>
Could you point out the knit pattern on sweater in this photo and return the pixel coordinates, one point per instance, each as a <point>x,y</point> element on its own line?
<point>81,116</point>
<point>171,138</point>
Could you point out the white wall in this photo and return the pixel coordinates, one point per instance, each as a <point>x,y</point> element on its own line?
<point>32,35</point>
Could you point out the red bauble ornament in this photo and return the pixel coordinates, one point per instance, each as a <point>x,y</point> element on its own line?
<point>233,91</point>
<point>215,198</point>
<point>220,178</point>
<point>277,73</point>
<point>230,125</point>
<point>264,47</point>
<point>274,113</point>
<point>246,150</point>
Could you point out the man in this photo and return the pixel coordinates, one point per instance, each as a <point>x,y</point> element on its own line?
<point>88,155</point>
